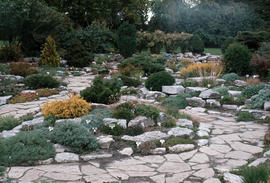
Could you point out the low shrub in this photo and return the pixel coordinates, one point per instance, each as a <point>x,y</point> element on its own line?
<point>179,101</point>
<point>208,83</point>
<point>75,136</point>
<point>134,130</point>
<point>253,174</point>
<point>8,87</point>
<point>46,92</point>
<point>157,80</point>
<point>147,111</point>
<point>37,81</point>
<point>240,100</point>
<point>8,123</point>
<point>259,99</point>
<point>77,55</point>
<point>129,91</point>
<point>223,91</point>
<point>129,70</point>
<point>95,118</point>
<point>22,69</point>
<point>187,62</point>
<point>237,59</point>
<point>129,81</point>
<point>124,111</point>
<point>72,108</point>
<point>145,62</point>
<point>227,99</point>
<point>189,83</point>
<point>252,90</point>
<point>145,148</point>
<point>245,116</point>
<point>102,91</point>
<point>11,52</point>
<point>25,148</point>
<point>112,129</point>
<point>49,121</point>
<point>23,97</point>
<point>49,55</point>
<point>230,77</point>
<point>168,123</point>
<point>202,69</point>
<point>172,65</point>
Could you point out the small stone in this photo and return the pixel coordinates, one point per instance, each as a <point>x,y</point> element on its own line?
<point>45,162</point>
<point>158,151</point>
<point>173,90</point>
<point>202,133</point>
<point>212,103</point>
<point>141,121</point>
<point>234,93</point>
<point>121,122</point>
<point>210,94</point>
<point>66,157</point>
<point>181,148</point>
<point>147,136</point>
<point>3,100</point>
<point>105,141</point>
<point>185,123</point>
<point>258,162</point>
<point>205,173</point>
<point>266,106</point>
<point>238,155</point>
<point>240,83</point>
<point>180,132</point>
<point>195,89</point>
<point>231,178</point>
<point>202,142</point>
<point>93,156</point>
<point>126,151</point>
<point>200,158</point>
<point>187,155</point>
<point>266,154</point>
<point>230,107</point>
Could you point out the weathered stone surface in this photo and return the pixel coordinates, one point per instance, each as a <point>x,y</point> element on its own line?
<point>195,89</point>
<point>147,136</point>
<point>178,177</point>
<point>210,94</point>
<point>240,83</point>
<point>230,107</point>
<point>141,121</point>
<point>62,176</point>
<point>212,180</point>
<point>196,102</point>
<point>238,155</point>
<point>180,132</point>
<point>208,151</point>
<point>236,163</point>
<point>173,90</point>
<point>158,151</point>
<point>17,172</point>
<point>266,154</point>
<point>151,159</point>
<point>158,178</point>
<point>66,157</point>
<point>200,158</point>
<point>3,100</point>
<point>105,141</point>
<point>239,146</point>
<point>93,156</point>
<point>185,123</point>
<point>231,178</point>
<point>213,103</point>
<point>205,173</point>
<point>181,148</point>
<point>99,178</point>
<point>266,106</point>
<point>126,151</point>
<point>202,142</point>
<point>173,167</point>
<point>202,133</point>
<point>258,162</point>
<point>221,148</point>
<point>234,93</point>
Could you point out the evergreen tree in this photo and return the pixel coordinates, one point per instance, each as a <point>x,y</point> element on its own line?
<point>49,55</point>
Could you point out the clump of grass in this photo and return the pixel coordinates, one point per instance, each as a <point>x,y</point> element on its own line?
<point>245,116</point>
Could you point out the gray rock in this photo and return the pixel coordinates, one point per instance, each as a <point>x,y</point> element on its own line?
<point>141,121</point>
<point>196,102</point>
<point>162,117</point>
<point>181,148</point>
<point>150,95</point>
<point>195,89</point>
<point>240,83</point>
<point>93,156</point>
<point>202,142</point>
<point>121,122</point>
<point>105,141</point>
<point>158,151</point>
<point>212,103</point>
<point>202,133</point>
<point>266,154</point>
<point>66,157</point>
<point>180,132</point>
<point>173,90</point>
<point>266,106</point>
<point>234,93</point>
<point>126,151</point>
<point>3,100</point>
<point>258,114</point>
<point>230,107</point>
<point>185,123</point>
<point>231,178</point>
<point>210,94</point>
<point>169,70</point>
<point>147,136</point>
<point>258,162</point>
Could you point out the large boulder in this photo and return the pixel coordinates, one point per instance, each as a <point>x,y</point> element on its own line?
<point>210,94</point>
<point>173,90</point>
<point>196,102</point>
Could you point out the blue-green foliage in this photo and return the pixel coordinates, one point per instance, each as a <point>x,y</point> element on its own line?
<point>230,77</point>
<point>259,99</point>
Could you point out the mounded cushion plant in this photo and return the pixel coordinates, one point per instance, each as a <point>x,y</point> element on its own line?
<point>8,123</point>
<point>237,59</point>
<point>147,111</point>
<point>71,108</point>
<point>124,111</point>
<point>230,77</point>
<point>159,79</point>
<point>22,69</point>
<point>25,148</point>
<point>102,91</point>
<point>75,136</point>
<point>259,99</point>
<point>36,81</point>
<point>49,55</point>
<point>252,90</point>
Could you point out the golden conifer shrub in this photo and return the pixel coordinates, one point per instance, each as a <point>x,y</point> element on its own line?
<point>71,108</point>
<point>49,55</point>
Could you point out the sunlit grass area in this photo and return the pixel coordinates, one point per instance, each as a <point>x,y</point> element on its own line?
<point>213,51</point>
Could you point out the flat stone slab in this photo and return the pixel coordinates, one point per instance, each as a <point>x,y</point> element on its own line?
<point>173,167</point>
<point>180,132</point>
<point>66,157</point>
<point>148,136</point>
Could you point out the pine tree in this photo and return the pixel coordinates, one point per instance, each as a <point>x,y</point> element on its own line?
<point>49,55</point>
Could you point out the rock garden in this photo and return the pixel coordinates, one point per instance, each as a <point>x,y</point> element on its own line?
<point>140,107</point>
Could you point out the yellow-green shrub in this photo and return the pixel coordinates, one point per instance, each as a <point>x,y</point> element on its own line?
<point>74,107</point>
<point>49,55</point>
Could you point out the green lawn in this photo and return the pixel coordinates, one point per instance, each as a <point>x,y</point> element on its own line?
<point>213,51</point>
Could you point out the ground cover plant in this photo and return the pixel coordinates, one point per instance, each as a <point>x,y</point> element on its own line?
<point>159,79</point>
<point>37,81</point>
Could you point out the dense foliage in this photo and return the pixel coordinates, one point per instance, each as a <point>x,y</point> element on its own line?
<point>49,55</point>
<point>36,81</point>
<point>159,79</point>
